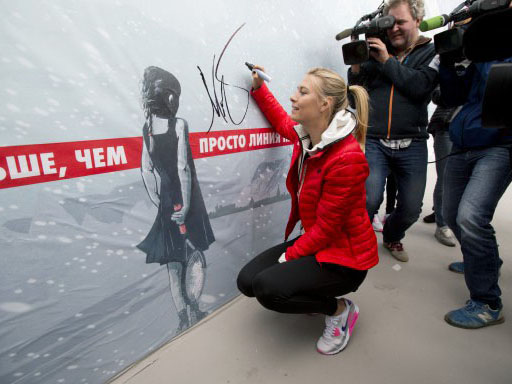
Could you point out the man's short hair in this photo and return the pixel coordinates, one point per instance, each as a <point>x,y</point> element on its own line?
<point>417,7</point>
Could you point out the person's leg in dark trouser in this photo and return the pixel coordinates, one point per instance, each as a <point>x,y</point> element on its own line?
<point>488,174</point>
<point>442,148</point>
<point>456,176</point>
<point>264,260</point>
<point>390,194</point>
<point>377,157</point>
<point>305,286</point>
<point>409,166</point>
<point>490,177</point>
<point>296,286</point>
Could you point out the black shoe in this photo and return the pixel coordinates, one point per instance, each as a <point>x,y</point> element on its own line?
<point>430,218</point>
<point>184,322</point>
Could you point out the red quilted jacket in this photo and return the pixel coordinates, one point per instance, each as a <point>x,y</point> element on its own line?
<point>330,198</point>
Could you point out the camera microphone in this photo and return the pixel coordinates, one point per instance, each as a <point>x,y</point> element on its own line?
<point>373,27</point>
<point>434,22</point>
<point>463,12</point>
<point>344,34</point>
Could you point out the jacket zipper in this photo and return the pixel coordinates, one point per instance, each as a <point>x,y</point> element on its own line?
<point>390,111</point>
<point>302,177</point>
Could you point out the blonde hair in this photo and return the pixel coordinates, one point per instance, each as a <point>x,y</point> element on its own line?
<point>417,7</point>
<point>332,85</point>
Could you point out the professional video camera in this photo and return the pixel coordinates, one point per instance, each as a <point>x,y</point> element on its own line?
<point>373,24</point>
<point>481,40</point>
<point>457,43</point>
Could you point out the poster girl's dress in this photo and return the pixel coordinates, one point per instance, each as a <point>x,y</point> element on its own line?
<point>164,242</point>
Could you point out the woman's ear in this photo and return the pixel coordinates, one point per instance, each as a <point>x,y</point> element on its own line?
<point>326,104</point>
<point>171,97</point>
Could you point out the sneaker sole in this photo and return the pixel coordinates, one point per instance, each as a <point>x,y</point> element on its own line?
<point>494,322</point>
<point>351,321</point>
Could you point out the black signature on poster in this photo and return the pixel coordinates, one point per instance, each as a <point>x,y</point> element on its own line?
<point>221,107</point>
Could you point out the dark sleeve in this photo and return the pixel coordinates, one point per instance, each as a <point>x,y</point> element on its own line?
<point>455,84</point>
<point>356,78</point>
<point>416,83</point>
<point>436,96</point>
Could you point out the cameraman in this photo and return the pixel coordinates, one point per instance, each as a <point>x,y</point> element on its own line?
<point>400,81</point>
<point>476,175</point>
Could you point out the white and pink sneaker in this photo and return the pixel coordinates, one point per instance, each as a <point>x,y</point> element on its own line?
<point>377,225</point>
<point>338,330</point>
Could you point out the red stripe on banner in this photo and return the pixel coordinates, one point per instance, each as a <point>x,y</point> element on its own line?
<point>40,163</point>
<point>225,142</point>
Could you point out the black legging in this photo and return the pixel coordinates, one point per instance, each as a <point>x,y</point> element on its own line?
<point>297,286</point>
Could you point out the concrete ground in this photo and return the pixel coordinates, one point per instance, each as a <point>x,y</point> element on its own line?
<point>400,336</point>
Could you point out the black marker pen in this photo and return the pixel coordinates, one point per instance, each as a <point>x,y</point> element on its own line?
<point>260,73</point>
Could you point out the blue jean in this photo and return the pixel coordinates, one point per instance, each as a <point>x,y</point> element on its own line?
<point>442,148</point>
<point>473,185</point>
<point>409,167</point>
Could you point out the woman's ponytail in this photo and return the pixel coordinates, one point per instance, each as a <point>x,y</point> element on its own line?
<point>360,98</point>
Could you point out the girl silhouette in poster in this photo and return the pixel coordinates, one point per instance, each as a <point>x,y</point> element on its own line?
<point>182,230</point>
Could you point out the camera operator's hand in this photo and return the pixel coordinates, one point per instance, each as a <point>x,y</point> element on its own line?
<point>378,51</point>
<point>256,80</point>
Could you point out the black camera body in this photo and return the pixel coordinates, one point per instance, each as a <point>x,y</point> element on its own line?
<point>357,52</point>
<point>482,40</point>
<point>450,45</point>
<point>496,106</point>
<point>453,46</point>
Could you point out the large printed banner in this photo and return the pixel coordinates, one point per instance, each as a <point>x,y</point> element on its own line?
<point>32,164</point>
<point>137,176</point>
